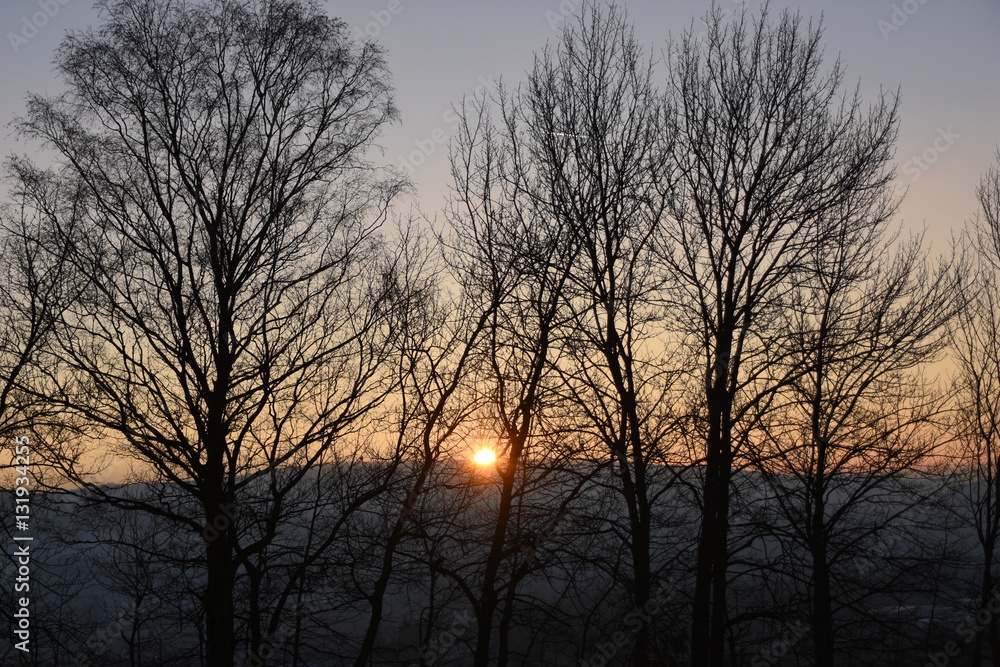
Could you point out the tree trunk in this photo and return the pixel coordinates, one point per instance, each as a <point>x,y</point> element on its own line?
<point>219,593</point>
<point>700,614</point>
<point>985,595</point>
<point>643,581</point>
<point>709,615</point>
<point>708,626</point>
<point>720,564</point>
<point>488,597</point>
<point>219,531</point>
<point>377,598</point>
<point>822,622</point>
<point>507,614</point>
<point>633,475</point>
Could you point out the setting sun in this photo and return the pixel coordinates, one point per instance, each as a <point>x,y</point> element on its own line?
<point>484,457</point>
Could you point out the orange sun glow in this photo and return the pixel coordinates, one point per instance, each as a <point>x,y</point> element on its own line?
<point>484,457</point>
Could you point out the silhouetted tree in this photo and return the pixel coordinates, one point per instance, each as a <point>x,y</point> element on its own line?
<point>842,440</point>
<point>235,318</point>
<point>36,285</point>
<point>977,351</point>
<point>509,249</point>
<point>598,147</point>
<point>440,335</point>
<point>766,149</point>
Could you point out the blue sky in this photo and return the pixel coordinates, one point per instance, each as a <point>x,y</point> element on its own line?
<point>944,55</point>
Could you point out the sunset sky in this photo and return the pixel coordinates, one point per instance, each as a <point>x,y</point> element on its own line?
<point>663,391</point>
<point>943,55</point>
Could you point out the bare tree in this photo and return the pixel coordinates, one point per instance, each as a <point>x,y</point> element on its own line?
<point>440,338</point>
<point>599,138</point>
<point>977,351</point>
<point>766,147</point>
<point>843,439</point>
<point>36,284</point>
<point>235,319</point>
<point>509,250</point>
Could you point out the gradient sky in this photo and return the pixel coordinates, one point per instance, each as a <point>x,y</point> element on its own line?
<point>945,57</point>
